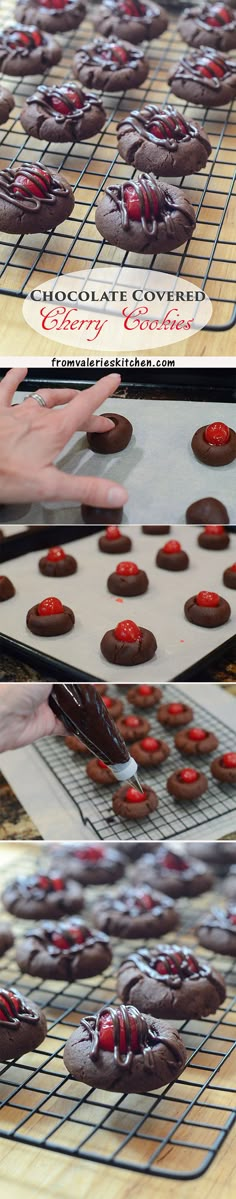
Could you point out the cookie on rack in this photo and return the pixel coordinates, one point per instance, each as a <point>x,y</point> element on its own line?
<point>63,113</point>
<point>44,895</point>
<point>27,50</point>
<point>110,66</point>
<point>163,141</point>
<point>136,911</point>
<point>67,950</point>
<point>216,930</point>
<point>175,873</point>
<point>6,938</point>
<point>120,1049</point>
<point>90,864</point>
<point>135,20</point>
<point>170,981</point>
<point>22,1024</point>
<point>204,77</point>
<point>7,102</point>
<point>209,25</point>
<point>145,216</point>
<point>56,16</point>
<point>33,199</point>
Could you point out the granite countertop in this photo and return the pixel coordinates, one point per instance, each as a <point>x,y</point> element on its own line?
<point>15,824</point>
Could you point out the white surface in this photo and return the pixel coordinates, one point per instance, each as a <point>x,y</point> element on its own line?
<point>180,644</point>
<point>12,530</point>
<point>160,450</point>
<point>51,808</point>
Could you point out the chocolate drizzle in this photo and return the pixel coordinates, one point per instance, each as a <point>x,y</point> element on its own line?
<point>92,54</point>
<point>176,971</point>
<point>19,1011</point>
<point>148,1036</point>
<point>129,903</point>
<point>220,920</point>
<point>146,16</point>
<point>26,201</point>
<point>43,936</point>
<point>141,122</point>
<point>187,68</point>
<point>42,97</point>
<point>31,886</point>
<point>148,190</point>
<point>20,48</point>
<point>209,10</point>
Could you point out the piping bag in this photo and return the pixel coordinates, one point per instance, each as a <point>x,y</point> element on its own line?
<point>82,711</point>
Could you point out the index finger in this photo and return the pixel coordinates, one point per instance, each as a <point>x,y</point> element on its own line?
<point>76,416</point>
<point>10,383</point>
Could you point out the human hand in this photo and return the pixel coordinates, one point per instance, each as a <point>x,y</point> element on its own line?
<point>32,436</point>
<point>25,715</point>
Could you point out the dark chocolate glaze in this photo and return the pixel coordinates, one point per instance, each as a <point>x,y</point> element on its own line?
<point>32,884</point>
<point>15,1016</point>
<point>147,185</point>
<point>83,712</point>
<point>20,47</point>
<point>219,919</point>
<point>146,961</point>
<point>148,1037</point>
<point>27,202</point>
<point>141,122</point>
<point>42,98</point>
<point>93,54</point>
<point>116,6</point>
<point>201,20</point>
<point>129,903</point>
<point>187,68</point>
<point>43,934</point>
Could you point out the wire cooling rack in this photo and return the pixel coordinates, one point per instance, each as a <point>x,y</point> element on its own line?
<point>169,819</point>
<point>208,260</point>
<point>175,1133</point>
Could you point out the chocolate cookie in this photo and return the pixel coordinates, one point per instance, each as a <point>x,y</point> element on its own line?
<point>57,564</point>
<point>128,580</point>
<point>211,25</point>
<point>205,77</point>
<point>136,912</point>
<point>175,873</point>
<point>135,20</point>
<point>6,589</point>
<point>175,714</point>
<point>145,216</point>
<point>217,930</point>
<point>170,980</point>
<point>172,557</point>
<point>144,696</point>
<point>22,1025</point>
<point>196,742</point>
<point>153,530</point>
<point>132,727</point>
<point>119,1049</point>
<point>114,706</point>
<point>207,609</point>
<point>42,895</point>
<point>99,772</point>
<point>163,141</point>
<point>230,883</point>
<point>91,864</point>
<point>63,114</point>
<point>128,644</point>
<point>7,102</point>
<point>110,66</point>
<point>132,804</point>
<point>66,951</point>
<point>100,516</point>
<point>229,576</point>
<point>32,199</point>
<point>55,17</point>
<point>187,784</point>
<point>214,537</point>
<point>205,510</point>
<point>114,542</point>
<point>224,768</point>
<point>150,752</point>
<point>50,618</point>
<point>6,938</point>
<point>115,439</point>
<point>77,745</point>
<point>215,444</point>
<point>27,51</point>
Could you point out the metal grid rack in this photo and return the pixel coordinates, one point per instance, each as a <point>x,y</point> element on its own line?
<point>169,819</point>
<point>175,1133</point>
<point>208,260</point>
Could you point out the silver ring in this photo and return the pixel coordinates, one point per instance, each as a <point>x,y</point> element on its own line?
<point>40,400</point>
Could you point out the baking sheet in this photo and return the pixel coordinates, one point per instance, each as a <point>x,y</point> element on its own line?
<point>180,644</point>
<point>160,449</point>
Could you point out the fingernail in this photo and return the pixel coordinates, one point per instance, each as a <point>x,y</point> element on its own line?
<point>116,496</point>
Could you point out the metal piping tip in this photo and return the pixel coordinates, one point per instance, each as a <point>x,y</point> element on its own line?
<point>135,782</point>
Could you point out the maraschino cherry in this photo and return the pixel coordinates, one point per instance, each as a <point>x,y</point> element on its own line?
<point>217,433</point>
<point>115,53</point>
<point>172,861</point>
<point>102,765</point>
<point>188,775</point>
<point>20,37</point>
<point>219,15</point>
<point>37,183</point>
<point>132,8</point>
<point>207,599</point>
<point>214,530</point>
<point>229,760</point>
<point>127,568</point>
<point>131,722</point>
<point>53,3</point>
<point>91,853</point>
<point>112,533</point>
<point>142,199</point>
<point>7,1013</point>
<point>208,66</point>
<point>55,554</point>
<point>145,689</point>
<point>76,933</point>
<point>59,99</point>
<point>132,795</point>
<point>172,547</point>
<point>108,701</point>
<point>175,709</point>
<point>50,607</point>
<point>196,734</point>
<point>233,567</point>
<point>149,744</point>
<point>145,900</point>
<point>107,1035</point>
<point>127,631</point>
<point>231,915</point>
